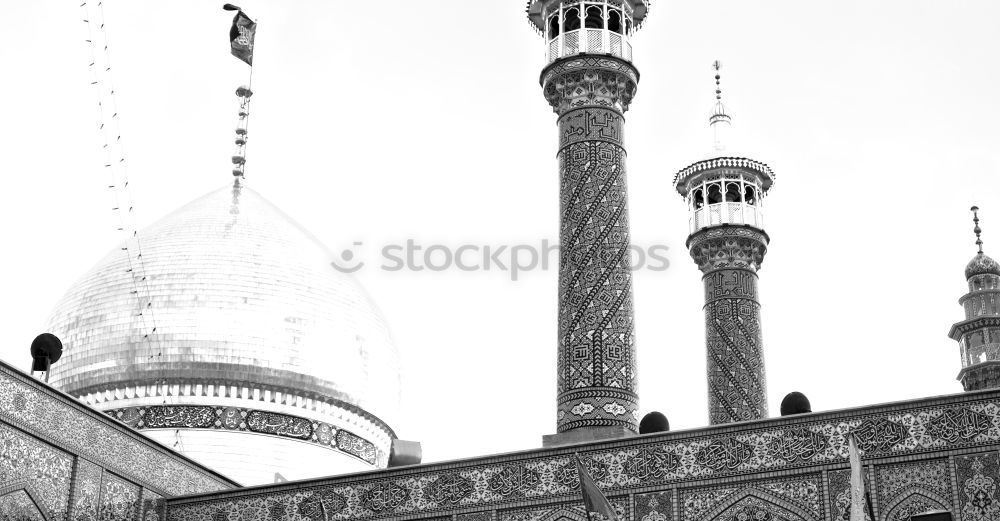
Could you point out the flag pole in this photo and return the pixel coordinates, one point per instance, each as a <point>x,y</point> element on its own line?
<point>246,126</point>
<point>586,508</point>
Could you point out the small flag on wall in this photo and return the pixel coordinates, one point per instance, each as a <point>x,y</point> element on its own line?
<point>241,34</point>
<point>593,499</point>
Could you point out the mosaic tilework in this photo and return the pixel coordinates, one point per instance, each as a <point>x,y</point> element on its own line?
<point>252,420</point>
<point>596,360</point>
<point>752,508</point>
<point>48,416</point>
<point>905,489</point>
<point>120,500</point>
<point>568,511</point>
<point>590,124</point>
<point>795,443</point>
<point>695,503</point>
<point>18,506</point>
<point>475,516</point>
<point>840,494</point>
<point>656,506</point>
<point>43,469</point>
<point>86,491</point>
<point>596,351</point>
<point>737,384</point>
<point>300,505</point>
<point>978,477</point>
<point>915,503</point>
<point>800,495</point>
<point>589,82</point>
<point>152,506</point>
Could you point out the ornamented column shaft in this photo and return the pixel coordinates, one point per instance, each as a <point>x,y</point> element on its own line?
<point>596,364</point>
<point>730,257</point>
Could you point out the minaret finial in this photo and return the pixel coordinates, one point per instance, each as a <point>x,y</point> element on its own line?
<point>717,65</point>
<point>719,120</point>
<point>977,229</point>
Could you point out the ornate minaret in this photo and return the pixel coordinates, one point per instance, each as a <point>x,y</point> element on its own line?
<point>589,80</point>
<point>978,336</point>
<point>725,195</point>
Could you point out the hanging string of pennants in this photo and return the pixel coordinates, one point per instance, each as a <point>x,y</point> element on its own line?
<point>116,167</point>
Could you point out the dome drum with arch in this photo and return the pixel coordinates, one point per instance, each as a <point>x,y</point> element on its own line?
<point>255,330</point>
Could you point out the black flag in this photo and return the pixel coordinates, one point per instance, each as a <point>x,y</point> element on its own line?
<point>241,34</point>
<point>593,499</point>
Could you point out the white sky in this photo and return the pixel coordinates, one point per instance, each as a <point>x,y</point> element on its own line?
<point>379,122</point>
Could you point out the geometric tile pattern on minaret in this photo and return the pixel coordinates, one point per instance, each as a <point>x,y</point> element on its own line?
<point>589,83</point>
<point>725,197</point>
<point>978,336</point>
<point>729,257</point>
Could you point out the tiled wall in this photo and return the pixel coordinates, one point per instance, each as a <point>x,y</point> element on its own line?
<point>939,453</point>
<point>60,460</point>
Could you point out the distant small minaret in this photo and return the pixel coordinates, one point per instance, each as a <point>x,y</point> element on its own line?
<point>725,196</point>
<point>978,336</point>
<point>589,82</point>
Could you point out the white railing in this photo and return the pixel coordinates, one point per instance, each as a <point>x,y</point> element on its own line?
<point>593,41</point>
<point>727,213</point>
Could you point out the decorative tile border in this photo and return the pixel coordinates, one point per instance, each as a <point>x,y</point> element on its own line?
<point>62,421</point>
<point>86,491</point>
<point>736,451</point>
<point>978,478</point>
<point>248,420</point>
<point>39,468</point>
<point>120,499</point>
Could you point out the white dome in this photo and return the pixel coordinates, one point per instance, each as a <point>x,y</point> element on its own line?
<point>249,315</point>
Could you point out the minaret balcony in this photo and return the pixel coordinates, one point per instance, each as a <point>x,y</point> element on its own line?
<point>980,354</point>
<point>592,41</point>
<point>726,213</point>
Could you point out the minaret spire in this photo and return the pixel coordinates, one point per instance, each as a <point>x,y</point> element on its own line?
<point>719,120</point>
<point>977,230</point>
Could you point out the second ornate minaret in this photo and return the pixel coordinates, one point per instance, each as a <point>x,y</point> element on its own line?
<point>589,81</point>
<point>978,336</point>
<point>725,195</point>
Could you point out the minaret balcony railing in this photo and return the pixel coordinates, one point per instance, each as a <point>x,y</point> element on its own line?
<point>981,354</point>
<point>726,213</point>
<point>593,41</point>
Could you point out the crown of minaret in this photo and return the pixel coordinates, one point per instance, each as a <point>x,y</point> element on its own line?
<point>978,336</point>
<point>981,264</point>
